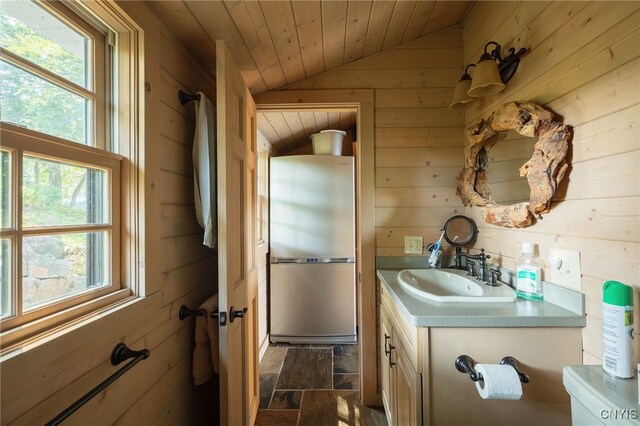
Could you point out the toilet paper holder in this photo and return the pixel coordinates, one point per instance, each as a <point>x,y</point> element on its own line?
<point>464,364</point>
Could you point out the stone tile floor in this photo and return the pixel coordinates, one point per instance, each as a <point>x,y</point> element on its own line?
<point>313,385</point>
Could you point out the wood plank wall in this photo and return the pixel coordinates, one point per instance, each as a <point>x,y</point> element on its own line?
<point>583,64</point>
<point>42,381</point>
<point>418,140</point>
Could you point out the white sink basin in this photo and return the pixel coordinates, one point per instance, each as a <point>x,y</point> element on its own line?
<point>452,285</point>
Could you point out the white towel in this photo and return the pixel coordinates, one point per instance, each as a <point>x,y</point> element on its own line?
<point>204,169</point>
<point>206,352</point>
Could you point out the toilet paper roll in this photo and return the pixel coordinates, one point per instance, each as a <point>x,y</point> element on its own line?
<point>499,382</point>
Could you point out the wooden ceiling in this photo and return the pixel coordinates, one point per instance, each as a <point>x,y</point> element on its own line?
<point>280,42</point>
<point>277,43</point>
<point>289,130</point>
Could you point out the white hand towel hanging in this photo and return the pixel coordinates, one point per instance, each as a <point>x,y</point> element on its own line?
<point>204,169</point>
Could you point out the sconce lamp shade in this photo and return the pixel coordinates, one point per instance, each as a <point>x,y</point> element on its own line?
<point>486,78</point>
<point>460,97</point>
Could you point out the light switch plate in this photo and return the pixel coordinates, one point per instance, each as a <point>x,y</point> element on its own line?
<point>568,274</point>
<point>413,245</point>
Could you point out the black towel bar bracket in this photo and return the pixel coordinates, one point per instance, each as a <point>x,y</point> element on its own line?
<point>464,364</point>
<point>185,312</point>
<point>119,354</point>
<point>185,97</point>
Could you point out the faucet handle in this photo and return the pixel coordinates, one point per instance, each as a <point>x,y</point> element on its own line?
<point>494,277</point>
<point>471,265</point>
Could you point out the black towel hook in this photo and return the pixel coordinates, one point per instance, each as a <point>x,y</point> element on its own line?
<point>185,97</point>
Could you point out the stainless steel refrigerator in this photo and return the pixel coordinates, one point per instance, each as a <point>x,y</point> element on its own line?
<point>312,249</point>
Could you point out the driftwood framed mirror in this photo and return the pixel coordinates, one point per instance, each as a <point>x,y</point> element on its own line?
<point>544,170</point>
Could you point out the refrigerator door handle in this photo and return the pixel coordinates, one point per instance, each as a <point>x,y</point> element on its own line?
<point>313,260</point>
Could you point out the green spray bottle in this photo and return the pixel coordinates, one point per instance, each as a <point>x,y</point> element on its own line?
<point>617,329</point>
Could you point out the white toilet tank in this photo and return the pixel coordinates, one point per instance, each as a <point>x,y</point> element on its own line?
<point>600,399</point>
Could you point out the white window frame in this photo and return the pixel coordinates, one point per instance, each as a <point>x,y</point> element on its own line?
<point>126,189</point>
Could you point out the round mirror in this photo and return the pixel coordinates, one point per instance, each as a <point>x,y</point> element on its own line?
<point>460,230</point>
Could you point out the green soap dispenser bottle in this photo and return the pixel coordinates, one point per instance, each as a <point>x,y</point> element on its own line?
<point>617,326</point>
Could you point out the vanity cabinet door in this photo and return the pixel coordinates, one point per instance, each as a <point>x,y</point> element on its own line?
<point>401,384</point>
<point>408,385</point>
<point>385,344</point>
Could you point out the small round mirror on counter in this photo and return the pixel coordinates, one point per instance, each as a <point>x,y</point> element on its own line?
<point>460,230</point>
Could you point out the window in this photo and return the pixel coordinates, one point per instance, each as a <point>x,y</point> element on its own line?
<point>61,186</point>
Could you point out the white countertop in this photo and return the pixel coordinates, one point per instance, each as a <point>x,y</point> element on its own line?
<point>521,313</point>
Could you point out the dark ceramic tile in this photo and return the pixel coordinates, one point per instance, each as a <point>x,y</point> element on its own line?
<point>348,350</point>
<point>277,418</point>
<point>346,359</point>
<point>267,383</point>
<point>286,400</point>
<point>306,368</point>
<point>330,408</point>
<point>346,381</point>
<point>272,360</point>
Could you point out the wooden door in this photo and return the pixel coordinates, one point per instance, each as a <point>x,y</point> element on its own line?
<point>237,274</point>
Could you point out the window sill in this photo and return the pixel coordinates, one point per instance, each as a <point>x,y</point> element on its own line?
<point>20,339</point>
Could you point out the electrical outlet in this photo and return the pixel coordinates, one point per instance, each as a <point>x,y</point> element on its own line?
<point>413,245</point>
<point>565,268</point>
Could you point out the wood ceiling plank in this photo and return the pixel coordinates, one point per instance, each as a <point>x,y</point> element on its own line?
<point>378,23</point>
<point>309,123</point>
<point>281,22</point>
<point>334,120</point>
<point>438,13</point>
<point>418,20</point>
<point>322,120</point>
<point>267,130</point>
<point>399,22</point>
<point>455,14</point>
<point>292,118</point>
<point>308,16</point>
<point>357,24</point>
<point>334,24</point>
<point>279,124</point>
<point>253,29</point>
<point>345,120</point>
<point>419,59</point>
<point>214,18</point>
<point>187,30</point>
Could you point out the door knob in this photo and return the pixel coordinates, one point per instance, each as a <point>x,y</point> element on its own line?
<point>233,314</point>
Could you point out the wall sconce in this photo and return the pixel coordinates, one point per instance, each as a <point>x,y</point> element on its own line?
<point>490,75</point>
<point>460,96</point>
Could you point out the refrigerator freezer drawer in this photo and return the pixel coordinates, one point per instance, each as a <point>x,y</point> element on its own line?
<point>313,302</point>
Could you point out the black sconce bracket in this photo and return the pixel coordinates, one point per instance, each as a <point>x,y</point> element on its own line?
<point>508,65</point>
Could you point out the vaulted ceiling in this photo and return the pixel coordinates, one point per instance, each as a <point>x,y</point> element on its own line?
<point>277,43</point>
<point>280,42</point>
